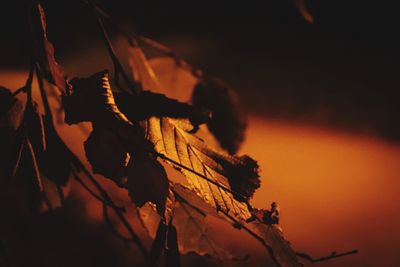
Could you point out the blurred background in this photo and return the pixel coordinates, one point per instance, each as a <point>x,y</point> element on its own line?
<point>323,107</point>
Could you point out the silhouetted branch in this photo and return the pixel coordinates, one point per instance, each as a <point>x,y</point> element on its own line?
<point>331,256</point>
<point>257,237</point>
<point>118,68</point>
<point>112,227</point>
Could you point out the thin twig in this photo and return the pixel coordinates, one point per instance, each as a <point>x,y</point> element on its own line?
<point>18,91</point>
<point>257,237</point>
<point>118,210</point>
<point>19,156</point>
<point>134,37</point>
<point>112,227</point>
<point>331,256</point>
<point>118,68</point>
<point>38,177</point>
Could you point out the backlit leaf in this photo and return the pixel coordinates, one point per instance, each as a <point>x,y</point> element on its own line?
<point>171,138</point>
<point>273,236</point>
<point>174,80</point>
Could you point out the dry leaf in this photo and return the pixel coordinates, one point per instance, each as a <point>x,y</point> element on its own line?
<point>91,99</point>
<point>273,236</point>
<point>193,231</point>
<point>174,80</point>
<point>141,69</point>
<point>189,215</point>
<point>147,181</point>
<point>107,154</point>
<point>227,122</point>
<point>171,139</point>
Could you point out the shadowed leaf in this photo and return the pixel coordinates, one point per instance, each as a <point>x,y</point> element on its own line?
<point>147,181</point>
<point>147,104</point>
<point>172,257</point>
<point>107,155</point>
<point>227,122</point>
<point>91,99</point>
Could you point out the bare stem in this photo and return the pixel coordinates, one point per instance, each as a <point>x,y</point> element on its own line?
<point>331,256</point>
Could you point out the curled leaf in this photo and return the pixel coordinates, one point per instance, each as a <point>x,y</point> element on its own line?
<point>91,99</point>
<point>107,155</point>
<point>227,122</point>
<point>147,181</point>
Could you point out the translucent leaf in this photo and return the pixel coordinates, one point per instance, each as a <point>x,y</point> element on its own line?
<point>171,139</point>
<point>228,123</point>
<point>193,231</point>
<point>189,215</point>
<point>141,69</point>
<point>174,81</point>
<point>273,237</point>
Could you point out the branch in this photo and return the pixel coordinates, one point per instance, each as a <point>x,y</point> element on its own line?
<point>333,255</point>
<point>257,237</point>
<point>119,70</point>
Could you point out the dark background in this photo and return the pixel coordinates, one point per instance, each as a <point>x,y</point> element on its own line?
<point>340,72</point>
